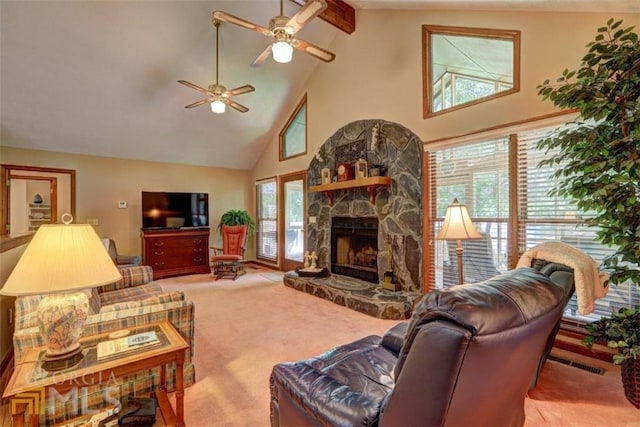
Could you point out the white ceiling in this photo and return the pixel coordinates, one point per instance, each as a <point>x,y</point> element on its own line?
<point>100,77</point>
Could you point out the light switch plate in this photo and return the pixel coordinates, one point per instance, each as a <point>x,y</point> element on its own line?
<point>122,205</point>
<point>312,220</point>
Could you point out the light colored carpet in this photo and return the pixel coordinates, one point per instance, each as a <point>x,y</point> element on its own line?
<point>246,326</point>
<point>274,277</point>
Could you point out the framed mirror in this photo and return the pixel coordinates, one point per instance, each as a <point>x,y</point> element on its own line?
<point>34,196</point>
<point>466,66</point>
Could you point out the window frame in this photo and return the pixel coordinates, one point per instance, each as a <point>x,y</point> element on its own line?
<point>562,217</point>
<point>282,135</point>
<point>260,219</point>
<point>427,83</point>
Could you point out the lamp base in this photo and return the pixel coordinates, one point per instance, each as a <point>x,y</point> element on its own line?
<point>59,362</point>
<point>61,319</point>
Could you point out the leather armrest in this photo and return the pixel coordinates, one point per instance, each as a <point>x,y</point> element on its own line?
<point>394,338</point>
<point>328,401</point>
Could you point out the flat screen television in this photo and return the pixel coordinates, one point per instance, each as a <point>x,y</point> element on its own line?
<point>174,210</point>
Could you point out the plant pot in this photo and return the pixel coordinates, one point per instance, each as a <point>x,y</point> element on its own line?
<point>630,373</point>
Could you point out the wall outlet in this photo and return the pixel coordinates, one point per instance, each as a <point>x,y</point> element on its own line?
<point>93,221</point>
<point>312,220</point>
<point>122,205</point>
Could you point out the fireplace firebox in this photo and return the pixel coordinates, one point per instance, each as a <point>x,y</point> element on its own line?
<point>354,247</point>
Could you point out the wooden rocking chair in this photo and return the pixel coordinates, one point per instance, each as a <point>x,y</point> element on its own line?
<point>228,261</point>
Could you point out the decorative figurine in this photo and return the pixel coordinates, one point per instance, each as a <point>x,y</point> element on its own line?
<point>306,259</point>
<point>314,259</point>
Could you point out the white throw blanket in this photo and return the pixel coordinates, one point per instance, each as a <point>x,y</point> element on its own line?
<point>590,283</point>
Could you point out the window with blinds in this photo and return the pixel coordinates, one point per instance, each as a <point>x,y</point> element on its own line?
<point>542,217</point>
<point>479,175</point>
<point>267,220</point>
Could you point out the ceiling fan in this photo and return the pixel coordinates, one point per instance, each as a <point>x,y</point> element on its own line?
<point>283,30</point>
<point>217,95</point>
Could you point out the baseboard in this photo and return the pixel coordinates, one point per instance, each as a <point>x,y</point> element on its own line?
<point>261,264</point>
<point>572,341</point>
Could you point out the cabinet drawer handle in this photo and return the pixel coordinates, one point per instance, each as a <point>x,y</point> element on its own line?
<point>158,243</point>
<point>159,264</point>
<point>197,260</point>
<point>197,249</point>
<point>197,241</point>
<point>158,252</point>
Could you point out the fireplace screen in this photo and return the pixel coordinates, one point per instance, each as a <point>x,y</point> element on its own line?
<point>354,247</point>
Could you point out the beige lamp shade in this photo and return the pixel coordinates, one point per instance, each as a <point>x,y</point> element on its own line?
<point>61,258</point>
<point>457,224</point>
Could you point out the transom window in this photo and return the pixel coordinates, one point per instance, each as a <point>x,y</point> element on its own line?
<point>293,137</point>
<point>466,66</point>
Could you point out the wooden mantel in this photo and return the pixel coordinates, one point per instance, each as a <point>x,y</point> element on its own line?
<point>372,183</point>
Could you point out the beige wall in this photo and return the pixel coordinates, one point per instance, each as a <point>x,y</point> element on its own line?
<point>103,181</point>
<point>377,74</point>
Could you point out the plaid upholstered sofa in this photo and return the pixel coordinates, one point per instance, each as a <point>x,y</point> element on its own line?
<point>134,300</point>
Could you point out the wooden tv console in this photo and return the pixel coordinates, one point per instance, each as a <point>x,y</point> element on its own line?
<point>174,252</point>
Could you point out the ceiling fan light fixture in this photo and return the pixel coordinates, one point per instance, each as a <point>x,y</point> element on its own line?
<point>218,107</point>
<point>282,52</point>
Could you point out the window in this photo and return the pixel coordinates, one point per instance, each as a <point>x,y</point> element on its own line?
<point>267,220</point>
<point>479,175</point>
<point>541,217</point>
<point>466,66</point>
<point>293,137</point>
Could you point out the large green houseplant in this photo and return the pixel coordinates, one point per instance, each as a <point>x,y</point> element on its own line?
<point>599,171</point>
<point>237,217</point>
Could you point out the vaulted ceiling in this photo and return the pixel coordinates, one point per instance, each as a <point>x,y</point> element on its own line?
<point>100,77</point>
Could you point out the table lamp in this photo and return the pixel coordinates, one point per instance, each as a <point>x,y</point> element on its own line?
<point>62,261</point>
<point>458,226</point>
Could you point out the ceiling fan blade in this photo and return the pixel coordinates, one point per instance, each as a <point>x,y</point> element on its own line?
<point>236,106</point>
<point>198,103</point>
<point>192,86</point>
<point>262,57</point>
<point>240,90</point>
<point>310,10</point>
<point>314,50</point>
<point>226,17</point>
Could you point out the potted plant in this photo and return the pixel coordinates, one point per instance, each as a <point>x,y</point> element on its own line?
<point>600,172</point>
<point>621,331</point>
<point>237,217</point>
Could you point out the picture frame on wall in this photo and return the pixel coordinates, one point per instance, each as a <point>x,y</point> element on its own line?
<point>325,176</point>
<point>361,169</point>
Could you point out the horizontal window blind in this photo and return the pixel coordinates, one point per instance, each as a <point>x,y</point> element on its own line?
<point>542,217</point>
<point>267,220</point>
<point>477,176</point>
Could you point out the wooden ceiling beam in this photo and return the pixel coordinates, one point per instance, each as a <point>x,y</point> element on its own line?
<point>338,13</point>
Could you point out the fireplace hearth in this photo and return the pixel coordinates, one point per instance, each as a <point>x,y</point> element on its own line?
<point>354,247</point>
<point>360,232</point>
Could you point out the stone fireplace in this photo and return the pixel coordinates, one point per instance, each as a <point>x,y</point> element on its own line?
<point>361,230</point>
<point>354,247</point>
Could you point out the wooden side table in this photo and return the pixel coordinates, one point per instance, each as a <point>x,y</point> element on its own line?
<point>30,385</point>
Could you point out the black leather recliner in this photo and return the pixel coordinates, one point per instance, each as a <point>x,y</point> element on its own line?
<point>466,357</point>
